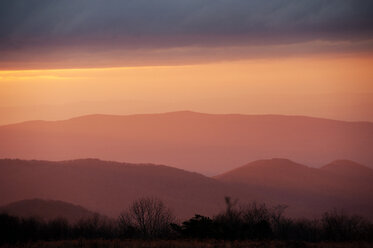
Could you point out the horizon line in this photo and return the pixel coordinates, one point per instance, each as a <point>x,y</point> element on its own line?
<point>186,111</point>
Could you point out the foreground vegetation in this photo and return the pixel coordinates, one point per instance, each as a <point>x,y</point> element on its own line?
<point>185,244</point>
<point>148,221</point>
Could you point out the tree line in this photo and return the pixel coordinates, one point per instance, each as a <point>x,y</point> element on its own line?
<point>149,218</point>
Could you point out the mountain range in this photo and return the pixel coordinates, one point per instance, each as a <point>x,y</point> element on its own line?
<point>205,143</point>
<point>109,187</point>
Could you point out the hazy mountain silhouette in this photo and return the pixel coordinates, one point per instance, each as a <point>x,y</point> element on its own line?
<point>342,183</point>
<point>109,187</point>
<point>280,173</point>
<point>349,169</point>
<point>46,210</point>
<point>356,178</point>
<point>193,141</point>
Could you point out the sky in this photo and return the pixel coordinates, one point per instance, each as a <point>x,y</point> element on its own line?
<point>62,59</point>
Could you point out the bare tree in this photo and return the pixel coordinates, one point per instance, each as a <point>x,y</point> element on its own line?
<point>148,216</point>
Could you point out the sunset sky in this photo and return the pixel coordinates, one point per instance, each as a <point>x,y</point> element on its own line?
<point>60,59</point>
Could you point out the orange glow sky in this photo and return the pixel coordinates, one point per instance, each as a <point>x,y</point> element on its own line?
<point>312,58</point>
<point>337,87</point>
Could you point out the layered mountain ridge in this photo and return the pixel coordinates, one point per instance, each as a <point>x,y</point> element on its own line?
<point>109,187</point>
<point>205,143</point>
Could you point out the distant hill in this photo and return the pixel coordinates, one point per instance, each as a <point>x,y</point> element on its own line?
<point>109,187</point>
<point>46,209</point>
<point>348,168</point>
<point>205,143</point>
<point>280,173</point>
<point>342,183</point>
<point>278,167</point>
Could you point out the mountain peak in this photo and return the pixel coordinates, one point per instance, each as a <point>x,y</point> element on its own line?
<point>274,162</point>
<point>277,165</point>
<point>344,164</point>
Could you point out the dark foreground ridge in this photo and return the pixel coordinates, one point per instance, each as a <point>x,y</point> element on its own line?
<point>150,219</point>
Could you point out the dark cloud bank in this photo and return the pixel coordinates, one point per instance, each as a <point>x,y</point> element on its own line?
<point>145,24</point>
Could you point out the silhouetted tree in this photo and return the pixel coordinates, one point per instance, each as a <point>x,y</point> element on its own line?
<point>57,229</point>
<point>9,229</point>
<point>149,217</point>
<point>229,224</point>
<point>257,221</point>
<point>338,226</point>
<point>95,227</point>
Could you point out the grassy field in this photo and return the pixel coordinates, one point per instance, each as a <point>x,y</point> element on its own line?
<point>183,244</point>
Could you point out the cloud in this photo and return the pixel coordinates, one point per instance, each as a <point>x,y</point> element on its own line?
<point>101,25</point>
